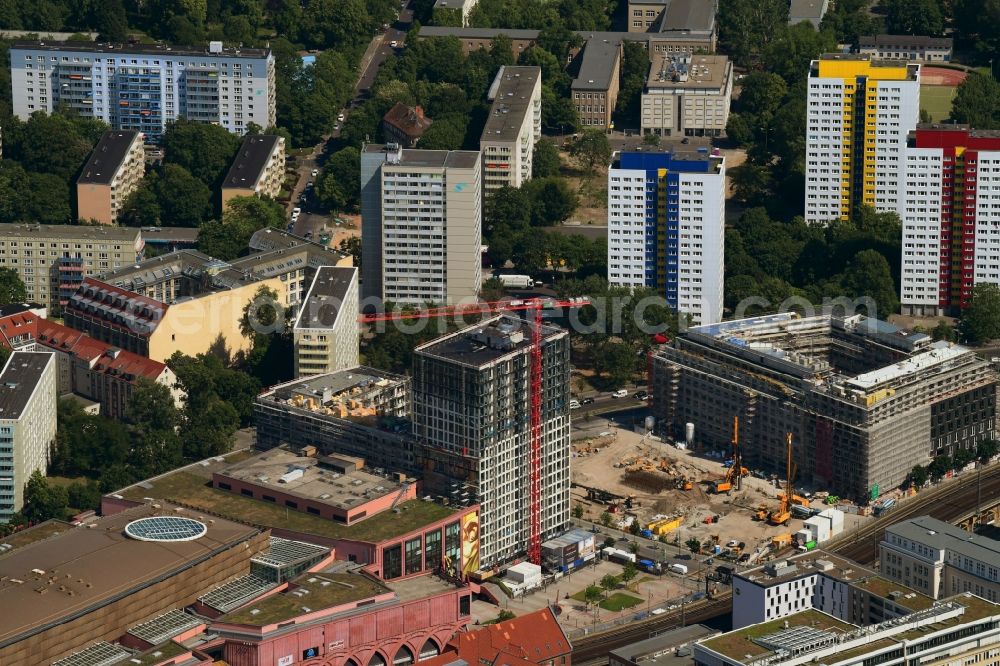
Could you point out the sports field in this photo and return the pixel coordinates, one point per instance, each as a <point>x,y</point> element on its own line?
<point>936,100</point>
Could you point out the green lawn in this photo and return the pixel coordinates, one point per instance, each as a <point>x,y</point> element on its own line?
<point>195,491</point>
<point>936,100</point>
<point>615,602</point>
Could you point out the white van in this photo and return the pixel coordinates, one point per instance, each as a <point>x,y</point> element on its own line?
<point>574,404</point>
<point>679,568</point>
<point>620,393</point>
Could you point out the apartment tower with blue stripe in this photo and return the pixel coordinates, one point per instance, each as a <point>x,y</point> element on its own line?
<point>666,226</point>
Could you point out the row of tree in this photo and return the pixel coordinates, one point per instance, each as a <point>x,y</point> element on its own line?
<point>941,465</point>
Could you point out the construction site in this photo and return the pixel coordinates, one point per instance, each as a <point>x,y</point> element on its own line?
<point>674,495</point>
<point>865,401</point>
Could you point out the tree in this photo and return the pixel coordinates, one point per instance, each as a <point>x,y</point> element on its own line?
<point>30,143</point>
<point>913,17</point>
<point>243,216</point>
<point>629,572</point>
<point>42,501</point>
<point>352,246</point>
<point>545,161</point>
<point>12,289</point>
<point>977,23</point>
<point>170,196</point>
<point>204,149</point>
<point>151,407</point>
<point>593,595</point>
<point>869,275</point>
<point>505,615</point>
<point>208,430</point>
<point>747,26</point>
<point>693,544</point>
<point>111,21</point>
<point>987,449</point>
<point>761,94</point>
<point>617,360</point>
<point>942,331</point>
<point>977,102</point>
<point>918,476</point>
<point>339,187</point>
<point>963,457</point>
<point>578,511</point>
<point>633,547</point>
<point>592,149</point>
<point>981,318</point>
<point>939,466</point>
<point>552,200</point>
<point>608,583</point>
<point>606,519</point>
<point>446,133</point>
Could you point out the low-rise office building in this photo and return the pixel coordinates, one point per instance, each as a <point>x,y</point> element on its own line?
<point>474,39</point>
<point>326,332</point>
<point>257,170</point>
<point>405,125</point>
<point>645,15</point>
<point>27,425</point>
<point>112,172</point>
<point>940,559</point>
<point>906,47</point>
<point>687,26</point>
<point>53,259</point>
<point>687,95</point>
<point>595,88</point>
<point>513,127</point>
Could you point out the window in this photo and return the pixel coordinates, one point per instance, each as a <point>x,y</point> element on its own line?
<point>414,556</point>
<point>392,562</point>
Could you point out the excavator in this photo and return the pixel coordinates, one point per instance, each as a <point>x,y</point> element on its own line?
<point>736,471</point>
<point>782,515</point>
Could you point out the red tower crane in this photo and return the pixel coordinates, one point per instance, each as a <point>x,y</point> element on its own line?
<point>537,306</point>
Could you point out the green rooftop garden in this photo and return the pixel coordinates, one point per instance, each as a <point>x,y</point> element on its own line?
<point>739,642</point>
<point>159,654</point>
<point>325,590</point>
<point>196,491</point>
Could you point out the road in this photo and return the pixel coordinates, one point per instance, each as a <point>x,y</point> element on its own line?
<point>312,221</point>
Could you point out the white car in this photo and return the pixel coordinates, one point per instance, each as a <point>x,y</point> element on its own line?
<point>393,43</point>
<point>574,404</point>
<point>340,118</point>
<point>314,173</point>
<point>620,393</point>
<point>296,211</point>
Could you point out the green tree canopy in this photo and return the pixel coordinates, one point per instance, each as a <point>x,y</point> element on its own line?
<point>339,187</point>
<point>204,149</point>
<point>545,160</point>
<point>981,319</point>
<point>977,102</point>
<point>913,17</point>
<point>243,217</point>
<point>869,275</point>
<point>11,287</point>
<point>592,149</point>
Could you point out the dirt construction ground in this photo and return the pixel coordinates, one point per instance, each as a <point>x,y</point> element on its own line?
<point>601,467</point>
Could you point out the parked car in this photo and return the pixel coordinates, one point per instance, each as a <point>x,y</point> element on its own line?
<point>340,118</point>
<point>587,401</point>
<point>314,173</point>
<point>640,395</point>
<point>620,393</point>
<point>574,404</point>
<point>394,44</point>
<point>296,211</point>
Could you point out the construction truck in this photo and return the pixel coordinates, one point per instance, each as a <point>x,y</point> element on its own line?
<point>684,483</point>
<point>781,541</point>
<point>782,515</point>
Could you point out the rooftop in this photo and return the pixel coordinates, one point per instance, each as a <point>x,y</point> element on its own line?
<point>195,490</point>
<point>165,626</point>
<point>660,650</point>
<point>101,653</point>
<point>17,308</point>
<point>690,160</point>
<point>107,158</point>
<point>511,94</point>
<point>741,646</point>
<point>308,593</point>
<point>33,534</point>
<point>99,356</point>
<point>80,570</point>
<point>170,234</point>
<point>807,564</point>
<point>900,595</point>
<point>417,157</point>
<point>251,161</point>
<point>355,394</point>
<point>686,72</point>
<point>161,50</point>
<point>322,305</point>
<point>19,380</point>
<point>939,535</point>
<point>600,60</point>
<point>807,9</point>
<point>689,16</point>
<point>920,41</point>
<point>476,33</point>
<point>868,65</point>
<point>486,341</point>
<point>913,365</point>
<point>101,232</point>
<point>307,478</point>
<point>409,120</point>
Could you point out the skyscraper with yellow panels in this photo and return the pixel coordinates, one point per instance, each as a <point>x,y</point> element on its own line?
<point>859,113</point>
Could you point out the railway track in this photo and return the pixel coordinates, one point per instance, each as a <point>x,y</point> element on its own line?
<point>950,502</point>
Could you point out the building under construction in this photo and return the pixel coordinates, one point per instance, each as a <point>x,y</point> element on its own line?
<point>864,400</point>
<point>472,403</point>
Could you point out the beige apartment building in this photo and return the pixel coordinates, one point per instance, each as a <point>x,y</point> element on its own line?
<point>687,95</point>
<point>644,15</point>
<point>258,170</point>
<point>111,174</point>
<point>513,127</point>
<point>595,89</point>
<point>940,559</point>
<point>53,259</point>
<point>326,333</point>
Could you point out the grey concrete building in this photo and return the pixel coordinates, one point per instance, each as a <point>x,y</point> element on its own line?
<point>27,424</point>
<point>513,127</point>
<point>940,559</point>
<point>597,83</point>
<point>906,47</point>
<point>53,259</point>
<point>359,412</point>
<point>421,225</point>
<point>472,418</point>
<point>326,332</point>
<point>864,400</point>
<point>687,95</point>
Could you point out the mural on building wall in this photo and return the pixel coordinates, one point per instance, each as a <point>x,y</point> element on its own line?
<point>470,543</point>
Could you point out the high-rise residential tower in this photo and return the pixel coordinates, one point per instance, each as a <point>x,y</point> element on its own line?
<point>421,225</point>
<point>666,226</point>
<point>472,419</point>
<point>143,87</point>
<point>951,240</point>
<point>513,127</point>
<point>859,113</point>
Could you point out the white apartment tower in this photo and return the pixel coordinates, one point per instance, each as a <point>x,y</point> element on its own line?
<point>143,87</point>
<point>421,225</point>
<point>666,227</point>
<point>513,127</point>
<point>860,111</point>
<point>472,416</point>
<point>27,424</point>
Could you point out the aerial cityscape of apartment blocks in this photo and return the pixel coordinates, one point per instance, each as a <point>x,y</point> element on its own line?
<point>666,219</point>
<point>950,239</point>
<point>860,111</point>
<point>143,87</point>
<point>421,216</point>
